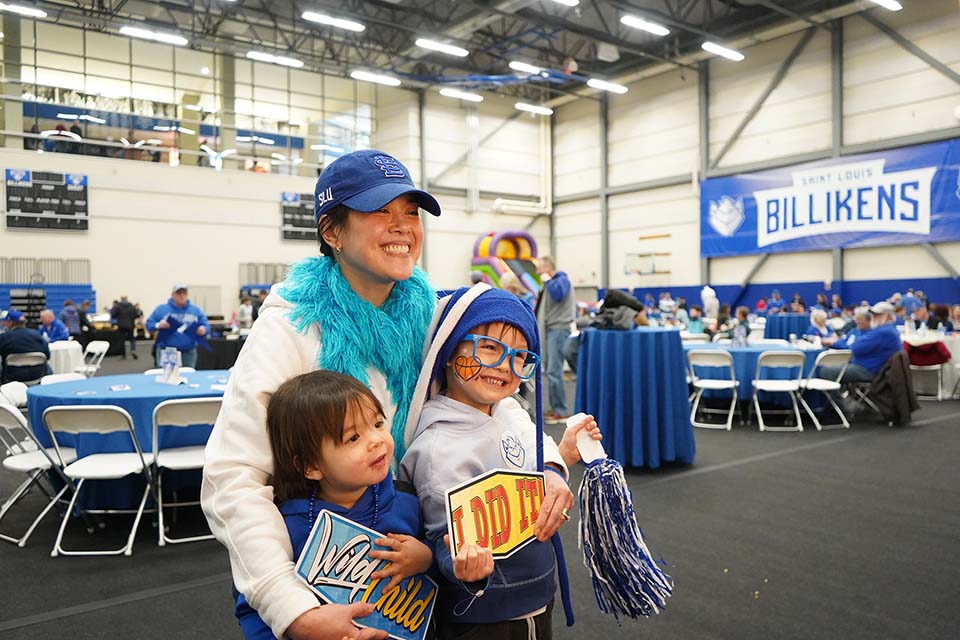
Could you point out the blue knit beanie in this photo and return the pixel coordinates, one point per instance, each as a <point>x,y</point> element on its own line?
<point>495,305</point>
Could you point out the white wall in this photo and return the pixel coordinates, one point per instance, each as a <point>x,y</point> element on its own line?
<point>152,225</point>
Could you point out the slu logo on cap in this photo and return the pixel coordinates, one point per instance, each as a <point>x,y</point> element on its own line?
<point>726,215</point>
<point>324,197</point>
<point>390,167</point>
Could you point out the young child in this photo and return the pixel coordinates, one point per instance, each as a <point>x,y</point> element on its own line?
<point>332,450</point>
<point>485,342</point>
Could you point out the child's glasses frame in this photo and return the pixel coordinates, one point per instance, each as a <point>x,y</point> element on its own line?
<point>530,359</point>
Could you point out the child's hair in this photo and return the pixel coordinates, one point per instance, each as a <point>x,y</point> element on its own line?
<point>301,413</point>
<point>743,312</point>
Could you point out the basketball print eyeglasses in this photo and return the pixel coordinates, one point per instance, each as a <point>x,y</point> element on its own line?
<point>490,352</point>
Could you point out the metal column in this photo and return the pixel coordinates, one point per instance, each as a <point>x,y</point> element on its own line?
<point>836,86</point>
<point>604,198</point>
<point>422,119</point>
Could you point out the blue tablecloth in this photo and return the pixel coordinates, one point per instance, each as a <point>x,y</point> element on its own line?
<point>137,393</point>
<point>634,383</point>
<point>745,365</point>
<point>781,325</point>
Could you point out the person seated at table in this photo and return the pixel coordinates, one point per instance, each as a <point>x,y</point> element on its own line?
<point>695,320</point>
<point>923,321</point>
<point>52,329</point>
<point>775,303</point>
<point>955,317</point>
<point>761,306</point>
<point>331,450</point>
<point>871,348</point>
<point>821,303</point>
<point>900,316</point>
<point>70,317</point>
<point>797,300</point>
<point>18,338</point>
<point>179,324</point>
<point>861,324</point>
<point>818,326</point>
<point>836,306</point>
<point>723,318</point>
<point>737,329</point>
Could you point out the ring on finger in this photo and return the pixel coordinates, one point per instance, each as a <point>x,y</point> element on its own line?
<point>565,514</point>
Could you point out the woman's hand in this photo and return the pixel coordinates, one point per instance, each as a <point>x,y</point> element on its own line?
<point>408,557</point>
<point>333,622</point>
<point>568,444</point>
<point>472,563</point>
<point>555,507</point>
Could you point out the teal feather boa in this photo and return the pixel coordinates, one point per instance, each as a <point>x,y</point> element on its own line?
<point>355,335</point>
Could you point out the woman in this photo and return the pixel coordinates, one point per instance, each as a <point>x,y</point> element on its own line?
<point>955,316</point>
<point>372,307</point>
<point>818,328</point>
<point>821,302</point>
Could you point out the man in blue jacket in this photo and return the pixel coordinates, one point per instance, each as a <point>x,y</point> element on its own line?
<point>555,312</point>
<point>871,348</point>
<point>51,328</point>
<point>19,339</point>
<point>179,324</point>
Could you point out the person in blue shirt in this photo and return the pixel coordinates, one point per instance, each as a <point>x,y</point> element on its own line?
<point>70,317</point>
<point>861,319</point>
<point>51,328</point>
<point>332,450</point>
<point>18,338</point>
<point>775,303</point>
<point>818,326</point>
<point>910,302</point>
<point>179,324</point>
<point>871,349</point>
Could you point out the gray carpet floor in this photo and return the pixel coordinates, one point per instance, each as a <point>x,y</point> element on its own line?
<point>848,534</point>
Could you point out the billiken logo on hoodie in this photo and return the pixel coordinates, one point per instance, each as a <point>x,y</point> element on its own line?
<point>512,450</point>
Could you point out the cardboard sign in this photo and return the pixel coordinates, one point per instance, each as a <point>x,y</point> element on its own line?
<point>496,510</point>
<point>335,563</point>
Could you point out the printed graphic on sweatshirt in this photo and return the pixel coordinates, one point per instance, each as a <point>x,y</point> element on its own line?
<point>511,450</point>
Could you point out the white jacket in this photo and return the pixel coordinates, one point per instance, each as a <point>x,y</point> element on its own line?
<point>236,496</point>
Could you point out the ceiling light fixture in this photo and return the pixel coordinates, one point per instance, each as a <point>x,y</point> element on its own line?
<point>157,36</point>
<point>724,52</point>
<point>448,49</point>
<point>366,76</point>
<point>326,147</point>
<point>23,11</point>
<point>67,116</point>
<point>340,23</point>
<point>93,119</point>
<point>644,25</point>
<point>461,95</point>
<point>532,108</point>
<point>272,59</point>
<point>612,87</point>
<point>892,5</point>
<point>523,67</point>
<point>568,3</point>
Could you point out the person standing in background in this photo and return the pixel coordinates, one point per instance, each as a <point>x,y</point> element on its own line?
<point>125,315</point>
<point>70,317</point>
<point>555,312</point>
<point>179,324</point>
<point>245,313</point>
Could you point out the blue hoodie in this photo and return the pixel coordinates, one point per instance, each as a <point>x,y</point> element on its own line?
<point>873,348</point>
<point>189,315</point>
<point>56,332</point>
<point>398,513</point>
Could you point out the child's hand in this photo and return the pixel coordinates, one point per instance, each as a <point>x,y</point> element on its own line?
<point>472,563</point>
<point>568,444</point>
<point>333,621</point>
<point>409,557</point>
<point>555,508</point>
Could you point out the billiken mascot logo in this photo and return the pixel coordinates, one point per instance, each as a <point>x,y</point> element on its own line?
<point>726,215</point>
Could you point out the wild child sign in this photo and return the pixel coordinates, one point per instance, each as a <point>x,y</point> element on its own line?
<point>335,562</point>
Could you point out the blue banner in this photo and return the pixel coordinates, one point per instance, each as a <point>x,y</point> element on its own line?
<point>899,196</point>
<point>18,177</point>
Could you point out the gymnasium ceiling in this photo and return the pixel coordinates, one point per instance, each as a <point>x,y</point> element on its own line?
<point>542,32</point>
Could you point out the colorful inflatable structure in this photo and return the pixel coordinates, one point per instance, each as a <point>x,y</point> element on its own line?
<point>497,253</point>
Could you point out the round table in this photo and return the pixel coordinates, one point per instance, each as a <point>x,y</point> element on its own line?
<point>634,384</point>
<point>745,364</point>
<point>65,356</point>
<point>949,377</point>
<point>781,325</point>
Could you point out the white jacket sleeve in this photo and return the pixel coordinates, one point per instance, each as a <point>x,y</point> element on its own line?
<point>236,497</point>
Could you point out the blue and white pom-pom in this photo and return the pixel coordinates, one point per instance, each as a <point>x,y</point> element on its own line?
<point>626,579</point>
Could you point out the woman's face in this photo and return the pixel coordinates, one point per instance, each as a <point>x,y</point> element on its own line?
<point>382,247</point>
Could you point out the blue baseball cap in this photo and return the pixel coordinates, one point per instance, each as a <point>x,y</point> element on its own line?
<point>14,315</point>
<point>365,181</point>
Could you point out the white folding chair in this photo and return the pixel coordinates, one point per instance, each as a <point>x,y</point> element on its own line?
<point>179,413</point>
<point>29,359</point>
<point>156,372</point>
<point>712,358</point>
<point>694,337</point>
<point>15,393</point>
<point>34,461</point>
<point>791,387</point>
<point>98,419</point>
<point>92,357</point>
<point>939,370</point>
<point>54,378</point>
<point>833,358</point>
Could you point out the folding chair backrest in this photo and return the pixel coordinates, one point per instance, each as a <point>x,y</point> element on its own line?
<point>97,418</point>
<point>781,360</point>
<point>11,422</point>
<point>710,358</point>
<point>15,392</point>
<point>695,337</point>
<point>184,413</point>
<point>833,358</point>
<point>54,378</point>
<point>29,359</point>
<point>95,351</point>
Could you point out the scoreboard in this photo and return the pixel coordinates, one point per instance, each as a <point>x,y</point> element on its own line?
<point>298,222</point>
<point>45,200</point>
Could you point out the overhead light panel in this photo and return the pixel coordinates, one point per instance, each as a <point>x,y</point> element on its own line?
<point>532,108</point>
<point>326,147</point>
<point>644,25</point>
<point>724,52</point>
<point>568,3</point>
<point>448,49</point>
<point>67,116</point>
<point>30,12</point>
<point>340,23</point>
<point>156,36</point>
<point>272,59</point>
<point>461,95</point>
<point>612,87</point>
<point>93,119</point>
<point>366,76</point>
<point>892,5</point>
<point>523,67</point>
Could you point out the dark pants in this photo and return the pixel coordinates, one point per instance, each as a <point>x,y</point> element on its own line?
<point>854,373</point>
<point>571,351</point>
<point>128,334</point>
<point>508,630</point>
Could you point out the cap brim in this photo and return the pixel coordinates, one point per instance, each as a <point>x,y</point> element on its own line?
<point>376,197</point>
